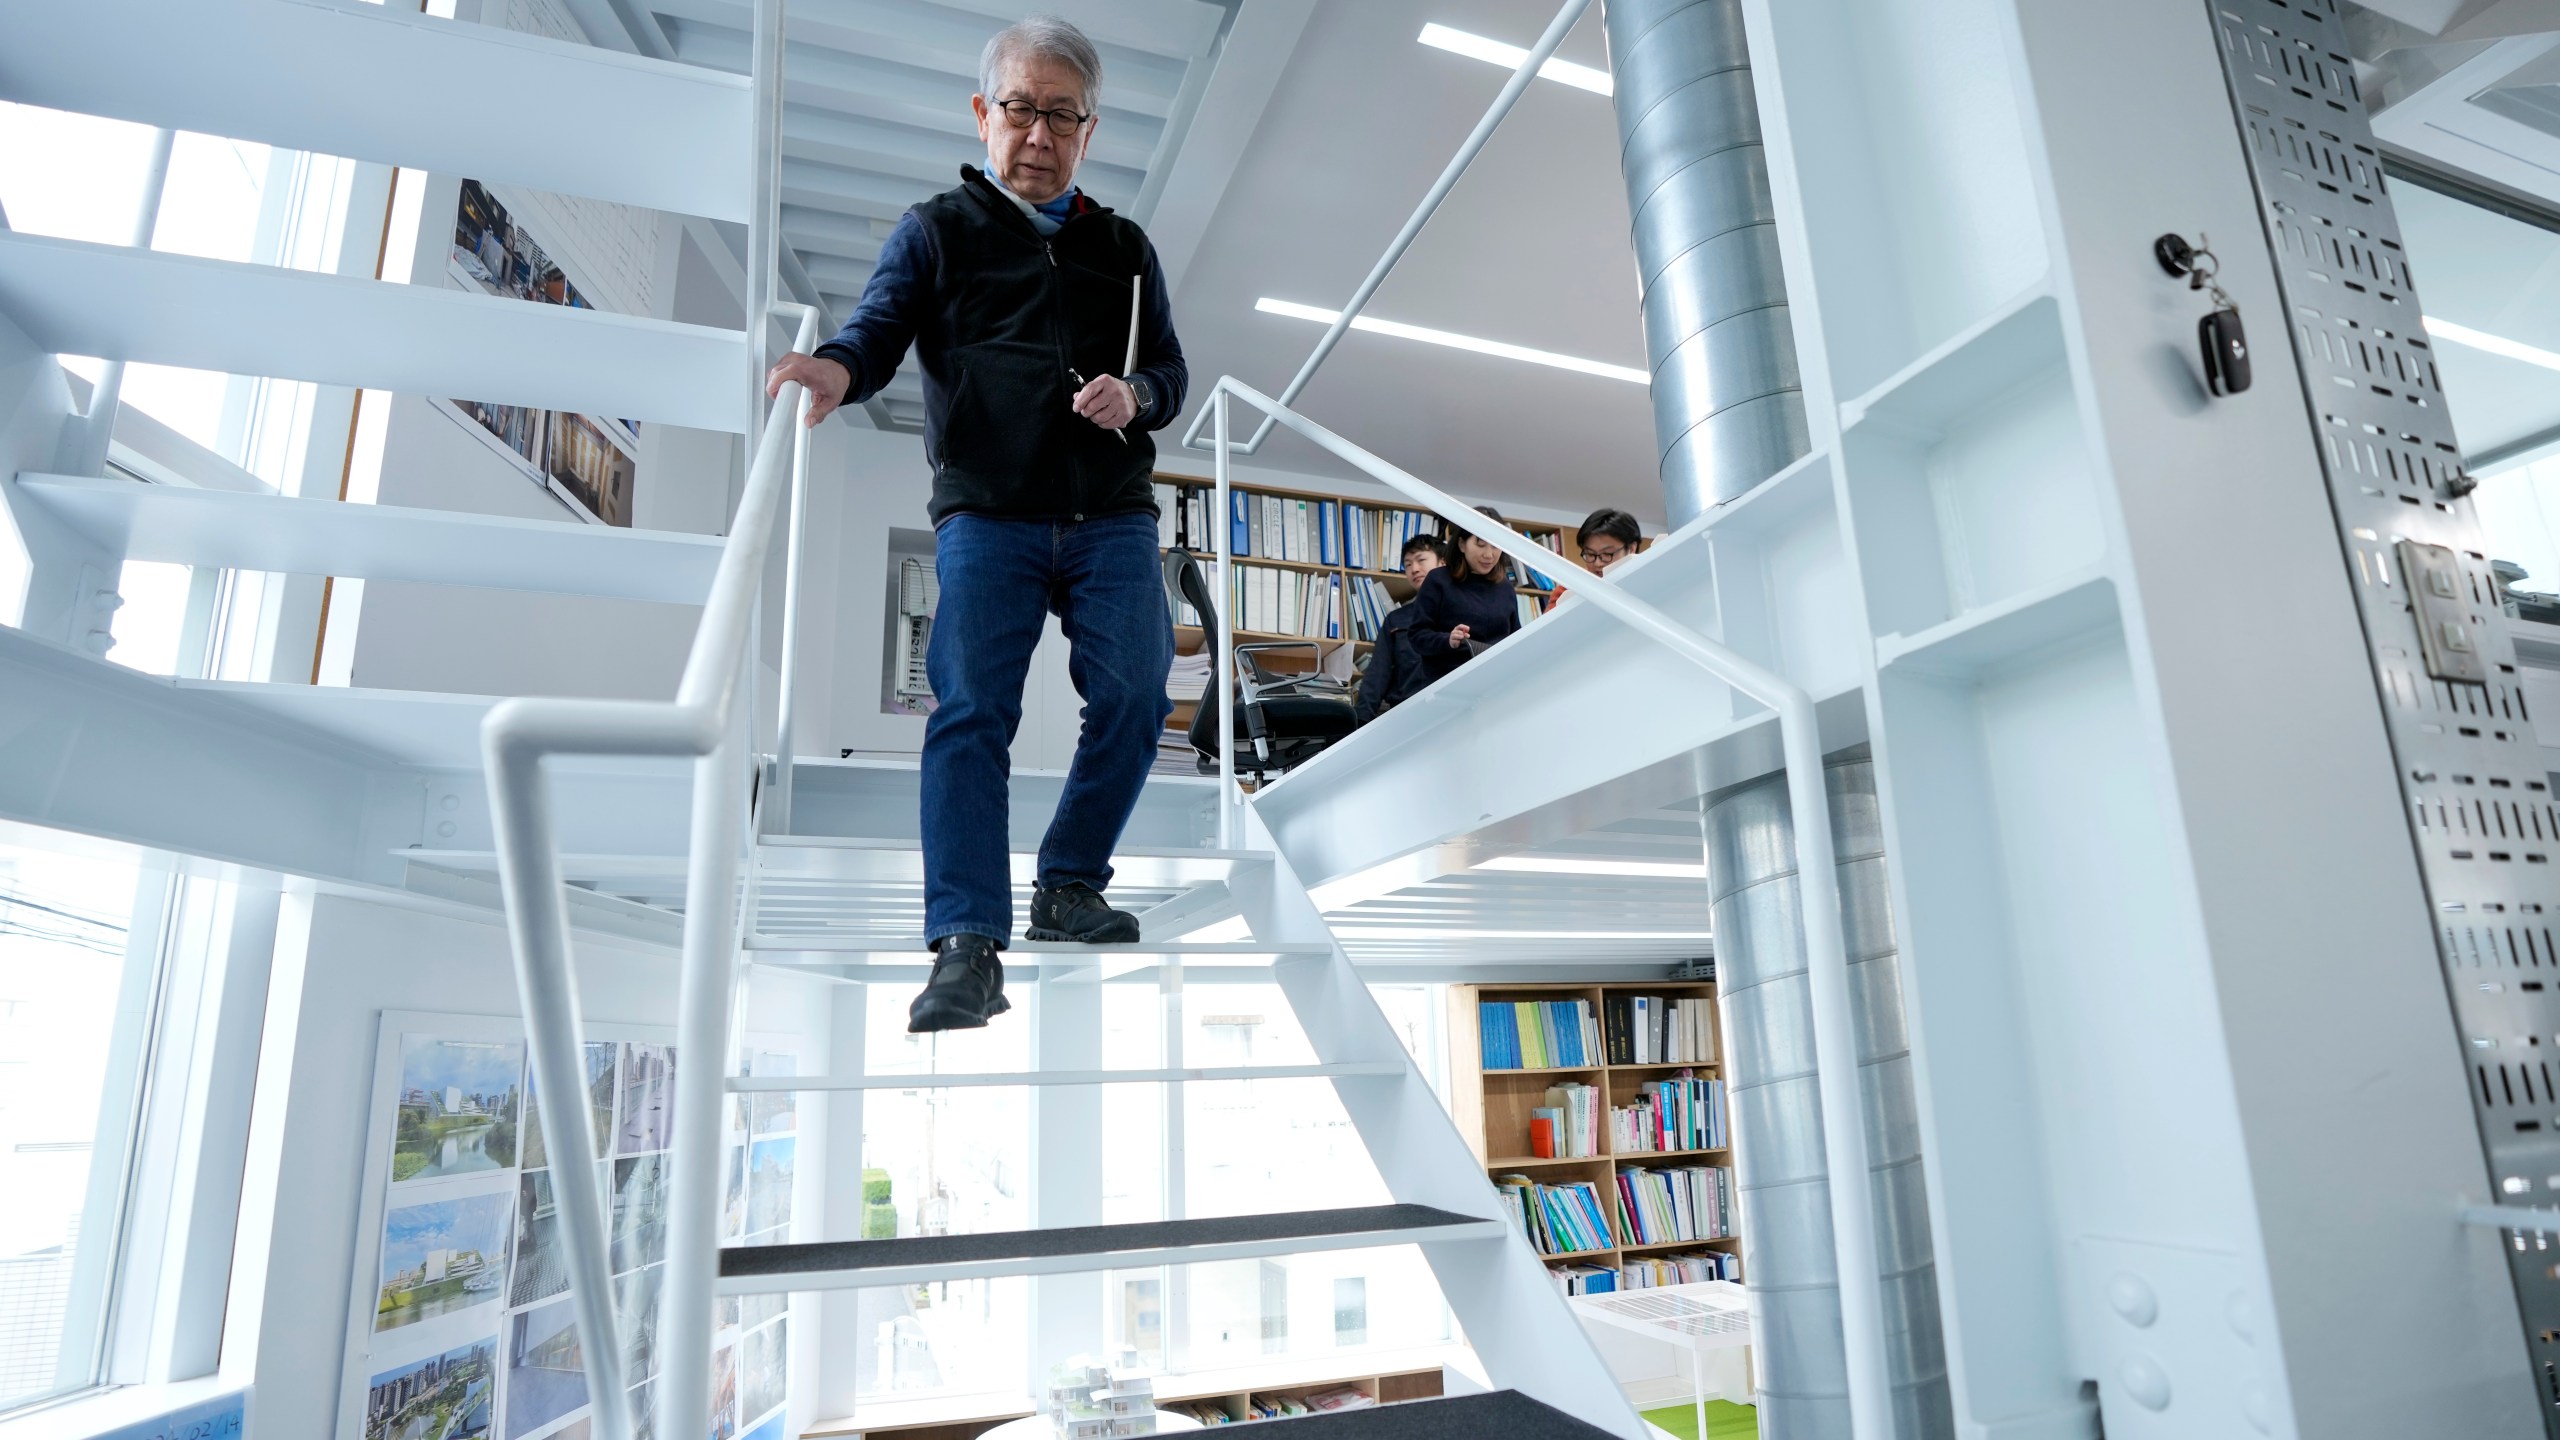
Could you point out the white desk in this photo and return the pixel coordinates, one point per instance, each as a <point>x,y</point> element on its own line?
<point>1709,1320</point>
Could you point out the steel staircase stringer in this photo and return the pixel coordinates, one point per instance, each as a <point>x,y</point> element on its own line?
<point>1507,1306</point>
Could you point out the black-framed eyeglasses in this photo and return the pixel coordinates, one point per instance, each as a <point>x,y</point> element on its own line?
<point>1602,557</point>
<point>1063,122</point>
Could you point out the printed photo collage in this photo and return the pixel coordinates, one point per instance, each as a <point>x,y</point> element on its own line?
<point>466,1328</point>
<point>586,460</point>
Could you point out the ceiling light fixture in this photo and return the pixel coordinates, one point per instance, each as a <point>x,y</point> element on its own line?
<point>1477,47</point>
<point>2494,344</point>
<point>1434,932</point>
<point>1640,869</point>
<point>1454,341</point>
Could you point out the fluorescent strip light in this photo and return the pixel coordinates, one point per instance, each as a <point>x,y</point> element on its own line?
<point>1646,869</point>
<point>1477,47</point>
<point>1294,311</point>
<point>1420,933</point>
<point>2494,344</point>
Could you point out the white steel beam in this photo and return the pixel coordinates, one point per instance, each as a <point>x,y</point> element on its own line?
<point>75,298</point>
<point>373,84</point>
<point>299,536</point>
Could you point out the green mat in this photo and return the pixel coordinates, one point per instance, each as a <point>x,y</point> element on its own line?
<point>1725,1421</point>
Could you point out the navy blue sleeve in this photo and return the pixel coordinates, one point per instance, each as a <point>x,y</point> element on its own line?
<point>1435,607</point>
<point>1160,352</point>
<point>872,343</point>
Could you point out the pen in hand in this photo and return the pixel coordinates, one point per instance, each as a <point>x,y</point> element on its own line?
<point>1077,377</point>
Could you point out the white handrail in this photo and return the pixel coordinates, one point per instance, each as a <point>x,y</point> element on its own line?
<point>705,721</point>
<point>1511,92</point>
<point>1818,885</point>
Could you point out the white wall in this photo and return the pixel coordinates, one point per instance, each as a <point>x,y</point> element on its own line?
<point>340,964</point>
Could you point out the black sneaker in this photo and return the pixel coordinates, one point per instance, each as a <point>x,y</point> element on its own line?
<point>966,990</point>
<point>1074,911</point>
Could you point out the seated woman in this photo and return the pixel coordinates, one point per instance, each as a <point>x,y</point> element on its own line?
<point>1464,607</point>
<point>1608,536</point>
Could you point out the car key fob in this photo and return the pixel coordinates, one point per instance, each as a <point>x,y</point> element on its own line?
<point>2226,351</point>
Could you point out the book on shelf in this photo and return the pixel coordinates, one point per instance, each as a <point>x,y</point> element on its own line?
<point>1538,1034</point>
<point>1669,1204</point>
<point>1572,1120</point>
<point>1652,1272</point>
<point>1661,1030</point>
<point>1584,1279</point>
<point>1682,1112</point>
<point>1270,601</point>
<point>1182,517</point>
<point>1564,1219</point>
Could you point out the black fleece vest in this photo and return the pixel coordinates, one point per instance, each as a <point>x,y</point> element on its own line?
<point>1017,314</point>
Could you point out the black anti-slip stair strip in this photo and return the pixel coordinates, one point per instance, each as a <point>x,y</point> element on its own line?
<point>922,1250</point>
<point>1501,1415</point>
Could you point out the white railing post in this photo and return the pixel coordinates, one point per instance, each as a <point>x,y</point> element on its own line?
<point>1818,888</point>
<point>786,722</point>
<point>1225,680</point>
<point>703,998</point>
<point>97,429</point>
<point>707,721</point>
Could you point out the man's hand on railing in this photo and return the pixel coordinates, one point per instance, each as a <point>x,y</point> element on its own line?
<point>827,380</point>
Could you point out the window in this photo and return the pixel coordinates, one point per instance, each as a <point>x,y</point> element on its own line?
<point>80,970</point>
<point>944,1162</point>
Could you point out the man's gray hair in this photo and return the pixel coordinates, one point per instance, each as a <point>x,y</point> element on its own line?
<point>1045,36</point>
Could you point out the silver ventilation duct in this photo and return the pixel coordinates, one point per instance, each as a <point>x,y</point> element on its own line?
<point>1780,1171</point>
<point>1728,406</point>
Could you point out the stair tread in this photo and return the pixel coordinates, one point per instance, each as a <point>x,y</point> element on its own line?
<point>308,536</point>
<point>740,1262</point>
<point>76,298</point>
<point>837,947</point>
<point>428,88</point>
<point>1029,1078</point>
<point>1506,1413</point>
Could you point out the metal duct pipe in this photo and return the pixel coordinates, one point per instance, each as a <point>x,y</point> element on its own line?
<point>1728,404</point>
<point>1777,1113</point>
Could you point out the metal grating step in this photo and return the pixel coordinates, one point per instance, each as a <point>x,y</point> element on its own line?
<point>755,1084</point>
<point>1506,1414</point>
<point>824,949</point>
<point>854,1264</point>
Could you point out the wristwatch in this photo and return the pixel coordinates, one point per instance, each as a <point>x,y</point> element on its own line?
<point>1145,393</point>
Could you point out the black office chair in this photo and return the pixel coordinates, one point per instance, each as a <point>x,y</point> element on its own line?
<point>1283,717</point>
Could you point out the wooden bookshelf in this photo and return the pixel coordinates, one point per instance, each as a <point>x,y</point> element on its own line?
<point>1492,1107</point>
<point>1188,638</point>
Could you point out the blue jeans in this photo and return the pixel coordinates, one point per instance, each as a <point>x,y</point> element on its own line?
<point>1000,580</point>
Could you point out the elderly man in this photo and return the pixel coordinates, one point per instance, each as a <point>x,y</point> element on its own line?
<point>1015,289</point>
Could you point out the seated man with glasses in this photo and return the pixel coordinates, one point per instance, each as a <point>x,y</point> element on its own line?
<point>1016,291</point>
<point>1608,535</point>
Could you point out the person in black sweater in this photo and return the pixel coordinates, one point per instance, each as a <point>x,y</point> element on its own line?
<point>1465,607</point>
<point>1395,671</point>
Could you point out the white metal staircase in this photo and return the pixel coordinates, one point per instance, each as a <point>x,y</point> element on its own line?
<point>810,895</point>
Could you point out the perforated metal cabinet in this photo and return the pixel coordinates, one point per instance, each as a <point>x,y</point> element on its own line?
<point>2480,806</point>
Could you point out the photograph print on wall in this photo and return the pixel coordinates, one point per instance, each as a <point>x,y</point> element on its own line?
<point>537,1146</point>
<point>441,1257</point>
<point>458,1107</point>
<point>546,1369</point>
<point>447,1396</point>
<point>648,1099</point>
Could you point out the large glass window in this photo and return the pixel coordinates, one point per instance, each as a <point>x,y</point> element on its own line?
<point>2491,283</point>
<point>953,1161</point>
<point>78,978</point>
<point>944,1162</point>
